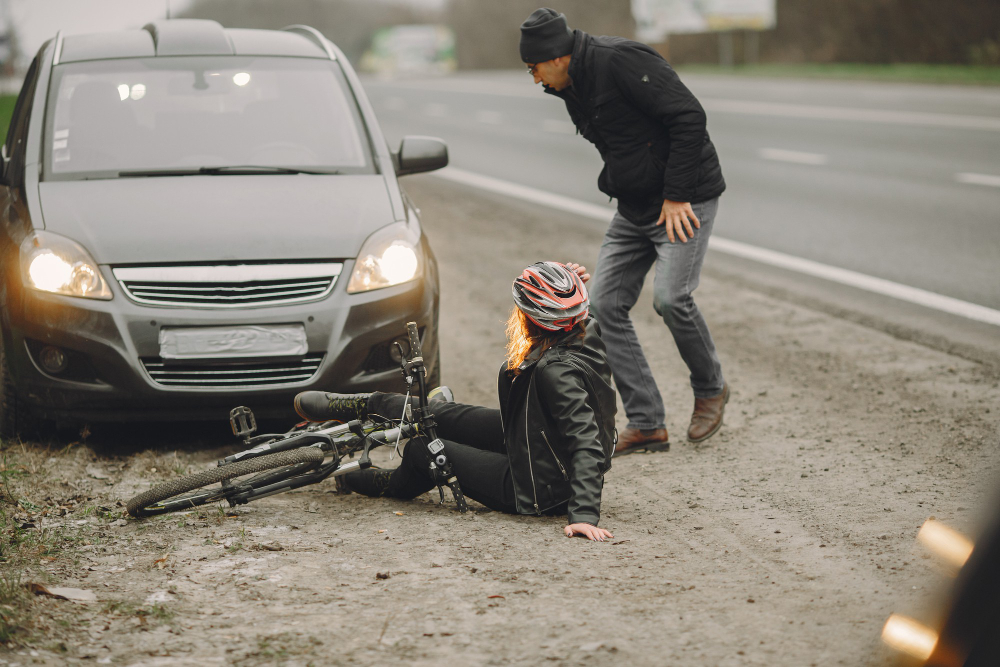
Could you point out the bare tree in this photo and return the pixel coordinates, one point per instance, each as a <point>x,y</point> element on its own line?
<point>350,24</point>
<point>487,32</point>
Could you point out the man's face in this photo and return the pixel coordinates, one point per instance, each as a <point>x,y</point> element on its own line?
<point>552,73</point>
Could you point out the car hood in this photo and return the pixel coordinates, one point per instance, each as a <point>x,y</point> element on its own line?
<point>217,218</point>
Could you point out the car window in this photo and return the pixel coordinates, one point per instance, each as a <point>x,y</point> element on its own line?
<point>186,112</point>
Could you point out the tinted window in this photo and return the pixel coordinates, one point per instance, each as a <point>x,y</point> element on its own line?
<point>18,130</point>
<point>175,113</point>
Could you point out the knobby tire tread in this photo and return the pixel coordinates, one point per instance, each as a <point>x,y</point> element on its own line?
<point>137,505</point>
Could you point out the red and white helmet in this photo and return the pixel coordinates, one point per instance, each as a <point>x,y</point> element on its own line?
<point>551,296</point>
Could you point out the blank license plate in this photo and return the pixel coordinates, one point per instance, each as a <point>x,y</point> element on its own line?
<point>274,340</point>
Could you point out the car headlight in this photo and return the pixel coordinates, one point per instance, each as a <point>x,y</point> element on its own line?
<point>53,263</point>
<point>390,256</point>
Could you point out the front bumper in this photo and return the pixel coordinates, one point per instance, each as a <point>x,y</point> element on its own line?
<point>107,341</point>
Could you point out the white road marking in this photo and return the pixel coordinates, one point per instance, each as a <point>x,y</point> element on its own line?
<point>770,257</point>
<point>913,118</point>
<point>436,110</point>
<point>745,107</point>
<point>558,126</point>
<point>798,157</point>
<point>978,179</point>
<point>489,117</point>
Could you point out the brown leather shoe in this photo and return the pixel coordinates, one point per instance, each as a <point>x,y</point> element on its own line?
<point>707,416</point>
<point>634,440</point>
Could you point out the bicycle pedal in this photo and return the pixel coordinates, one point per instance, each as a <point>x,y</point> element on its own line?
<point>242,421</point>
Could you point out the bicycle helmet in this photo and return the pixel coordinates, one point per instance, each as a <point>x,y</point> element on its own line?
<point>551,296</point>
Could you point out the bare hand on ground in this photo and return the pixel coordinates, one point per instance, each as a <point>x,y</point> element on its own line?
<point>580,270</point>
<point>678,216</point>
<point>590,532</point>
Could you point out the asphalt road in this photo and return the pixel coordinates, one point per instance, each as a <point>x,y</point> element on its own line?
<point>895,181</point>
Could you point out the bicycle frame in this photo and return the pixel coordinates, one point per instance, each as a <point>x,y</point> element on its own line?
<point>285,469</point>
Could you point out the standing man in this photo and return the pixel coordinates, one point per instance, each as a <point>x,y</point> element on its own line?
<point>661,166</point>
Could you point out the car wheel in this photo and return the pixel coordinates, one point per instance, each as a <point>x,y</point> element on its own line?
<point>13,415</point>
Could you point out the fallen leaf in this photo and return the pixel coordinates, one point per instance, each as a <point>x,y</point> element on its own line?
<point>398,513</point>
<point>74,594</point>
<point>381,575</point>
<point>490,597</point>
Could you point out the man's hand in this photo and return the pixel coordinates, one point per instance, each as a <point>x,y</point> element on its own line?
<point>678,216</point>
<point>586,530</point>
<point>580,271</point>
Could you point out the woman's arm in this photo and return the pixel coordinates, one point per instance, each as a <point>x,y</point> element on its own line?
<point>563,394</point>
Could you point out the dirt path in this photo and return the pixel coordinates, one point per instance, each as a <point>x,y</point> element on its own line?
<point>785,540</point>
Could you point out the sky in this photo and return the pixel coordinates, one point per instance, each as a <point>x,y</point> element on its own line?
<point>38,20</point>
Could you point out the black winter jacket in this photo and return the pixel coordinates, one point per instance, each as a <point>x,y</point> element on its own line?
<point>648,127</point>
<point>559,427</point>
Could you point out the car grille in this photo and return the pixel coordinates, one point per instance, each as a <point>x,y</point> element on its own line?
<point>228,286</point>
<point>233,373</point>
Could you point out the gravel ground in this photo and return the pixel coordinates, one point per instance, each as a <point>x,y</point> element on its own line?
<point>786,539</point>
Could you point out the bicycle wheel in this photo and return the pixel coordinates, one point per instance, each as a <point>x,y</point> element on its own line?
<point>176,494</point>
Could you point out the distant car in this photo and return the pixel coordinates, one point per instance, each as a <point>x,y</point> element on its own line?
<point>195,218</point>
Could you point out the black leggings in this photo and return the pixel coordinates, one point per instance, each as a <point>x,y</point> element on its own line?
<point>474,443</point>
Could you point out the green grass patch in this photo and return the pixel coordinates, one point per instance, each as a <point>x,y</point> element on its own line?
<point>23,543</point>
<point>6,111</point>
<point>979,75</point>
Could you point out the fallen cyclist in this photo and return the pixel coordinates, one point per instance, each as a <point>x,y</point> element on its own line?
<point>545,451</point>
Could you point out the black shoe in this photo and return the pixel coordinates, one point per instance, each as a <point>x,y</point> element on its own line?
<point>442,394</point>
<point>320,406</point>
<point>371,482</point>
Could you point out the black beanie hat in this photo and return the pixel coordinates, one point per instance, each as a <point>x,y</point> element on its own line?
<point>545,36</point>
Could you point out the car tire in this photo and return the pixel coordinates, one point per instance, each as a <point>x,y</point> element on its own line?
<point>13,414</point>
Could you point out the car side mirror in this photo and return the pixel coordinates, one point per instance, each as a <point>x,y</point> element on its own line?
<point>419,154</point>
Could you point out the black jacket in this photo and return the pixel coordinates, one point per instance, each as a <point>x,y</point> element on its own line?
<point>559,427</point>
<point>648,127</point>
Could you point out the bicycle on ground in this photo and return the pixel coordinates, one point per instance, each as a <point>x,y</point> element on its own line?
<point>308,453</point>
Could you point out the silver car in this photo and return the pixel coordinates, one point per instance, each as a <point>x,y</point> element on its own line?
<point>196,217</point>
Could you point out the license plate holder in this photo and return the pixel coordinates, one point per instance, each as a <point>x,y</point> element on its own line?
<point>230,342</point>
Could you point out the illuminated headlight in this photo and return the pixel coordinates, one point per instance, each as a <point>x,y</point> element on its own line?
<point>390,256</point>
<point>53,263</point>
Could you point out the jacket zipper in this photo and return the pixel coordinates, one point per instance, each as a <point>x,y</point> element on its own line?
<point>527,443</point>
<point>558,462</point>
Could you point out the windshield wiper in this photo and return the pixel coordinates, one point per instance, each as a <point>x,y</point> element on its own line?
<point>233,170</point>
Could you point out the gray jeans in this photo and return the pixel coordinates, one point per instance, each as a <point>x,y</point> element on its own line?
<point>628,252</point>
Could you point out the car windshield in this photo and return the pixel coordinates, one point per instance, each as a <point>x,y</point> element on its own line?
<point>164,116</point>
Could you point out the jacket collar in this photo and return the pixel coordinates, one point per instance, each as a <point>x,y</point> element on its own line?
<point>568,339</point>
<point>581,44</point>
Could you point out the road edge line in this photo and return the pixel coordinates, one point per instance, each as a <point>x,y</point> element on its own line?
<point>862,281</point>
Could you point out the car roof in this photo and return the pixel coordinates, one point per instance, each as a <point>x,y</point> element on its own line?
<point>191,37</point>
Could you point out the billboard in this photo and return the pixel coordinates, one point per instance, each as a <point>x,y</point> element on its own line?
<point>655,19</point>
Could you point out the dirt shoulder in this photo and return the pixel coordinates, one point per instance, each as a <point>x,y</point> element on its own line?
<point>787,539</point>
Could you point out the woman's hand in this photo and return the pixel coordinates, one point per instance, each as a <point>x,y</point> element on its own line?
<point>586,530</point>
<point>580,270</point>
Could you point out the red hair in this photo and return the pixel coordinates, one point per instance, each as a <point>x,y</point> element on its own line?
<point>524,337</point>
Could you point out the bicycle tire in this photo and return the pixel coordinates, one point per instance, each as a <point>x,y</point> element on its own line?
<point>151,502</point>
